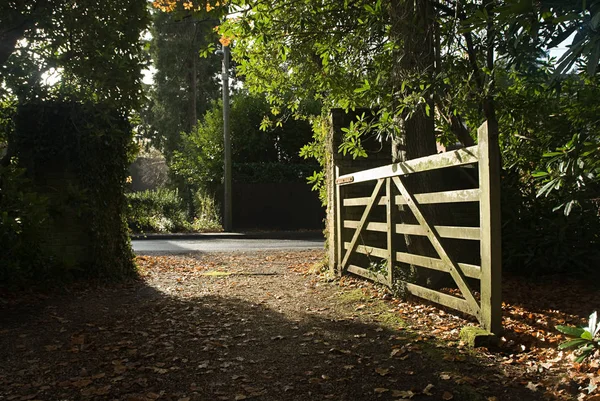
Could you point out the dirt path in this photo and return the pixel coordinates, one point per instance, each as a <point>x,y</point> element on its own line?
<point>235,327</point>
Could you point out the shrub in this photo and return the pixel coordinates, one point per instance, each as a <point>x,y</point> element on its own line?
<point>539,241</point>
<point>206,213</point>
<point>585,340</point>
<point>159,210</point>
<point>23,214</point>
<point>75,155</point>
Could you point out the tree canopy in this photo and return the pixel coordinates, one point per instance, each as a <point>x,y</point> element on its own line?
<point>94,46</point>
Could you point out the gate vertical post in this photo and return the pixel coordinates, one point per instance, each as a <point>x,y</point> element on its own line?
<point>339,243</point>
<point>490,223</point>
<point>390,204</point>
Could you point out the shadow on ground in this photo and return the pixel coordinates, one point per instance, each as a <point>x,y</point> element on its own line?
<point>134,342</point>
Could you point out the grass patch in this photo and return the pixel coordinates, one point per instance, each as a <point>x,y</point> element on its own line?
<point>352,296</point>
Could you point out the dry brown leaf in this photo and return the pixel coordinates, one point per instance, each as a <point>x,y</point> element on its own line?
<point>427,389</point>
<point>382,371</point>
<point>381,390</point>
<point>403,394</point>
<point>447,396</point>
<point>82,383</point>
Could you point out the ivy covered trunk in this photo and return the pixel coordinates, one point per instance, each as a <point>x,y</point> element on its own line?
<point>76,155</point>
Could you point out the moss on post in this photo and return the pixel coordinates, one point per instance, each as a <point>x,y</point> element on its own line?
<point>475,337</point>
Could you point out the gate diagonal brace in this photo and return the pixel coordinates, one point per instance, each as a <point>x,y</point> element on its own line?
<point>361,224</point>
<point>455,271</point>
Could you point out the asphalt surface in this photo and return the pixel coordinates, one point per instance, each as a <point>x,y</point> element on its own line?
<point>174,244</point>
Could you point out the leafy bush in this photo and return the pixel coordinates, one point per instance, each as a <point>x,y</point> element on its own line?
<point>206,213</point>
<point>585,339</point>
<point>539,241</point>
<point>23,214</point>
<point>549,141</point>
<point>261,152</point>
<point>158,211</point>
<point>76,156</point>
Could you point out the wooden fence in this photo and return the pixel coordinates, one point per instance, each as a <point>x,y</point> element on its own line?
<point>391,178</point>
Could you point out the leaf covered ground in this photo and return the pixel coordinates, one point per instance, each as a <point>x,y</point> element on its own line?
<point>265,326</point>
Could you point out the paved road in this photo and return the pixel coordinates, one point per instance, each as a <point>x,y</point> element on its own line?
<point>152,246</point>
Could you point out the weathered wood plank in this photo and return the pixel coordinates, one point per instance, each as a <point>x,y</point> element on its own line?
<point>368,250</point>
<point>368,274</point>
<point>338,224</point>
<point>468,270</point>
<point>363,201</point>
<point>372,226</point>
<point>457,196</point>
<point>439,298</point>
<point>390,214</point>
<point>455,271</point>
<point>441,160</point>
<point>362,222</point>
<point>491,223</point>
<point>466,233</point>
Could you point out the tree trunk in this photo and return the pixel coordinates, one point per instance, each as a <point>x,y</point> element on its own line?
<point>413,28</point>
<point>193,95</point>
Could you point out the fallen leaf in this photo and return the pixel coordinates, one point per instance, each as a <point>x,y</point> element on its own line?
<point>397,352</point>
<point>427,390</point>
<point>82,383</point>
<point>381,390</point>
<point>382,371</point>
<point>402,394</point>
<point>447,396</point>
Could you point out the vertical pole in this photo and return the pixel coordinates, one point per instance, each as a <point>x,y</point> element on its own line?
<point>490,223</point>
<point>227,209</point>
<point>389,204</point>
<point>339,240</point>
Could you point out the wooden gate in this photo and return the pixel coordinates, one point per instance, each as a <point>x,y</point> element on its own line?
<point>389,179</point>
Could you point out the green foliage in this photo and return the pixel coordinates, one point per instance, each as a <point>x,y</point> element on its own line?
<point>199,160</point>
<point>572,172</point>
<point>23,215</point>
<point>585,340</point>
<point>549,142</point>
<point>76,155</point>
<point>70,131</point>
<point>317,150</point>
<point>269,155</point>
<point>537,241</point>
<point>184,84</point>
<point>207,218</point>
<point>94,45</point>
<point>157,211</point>
<point>532,27</point>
